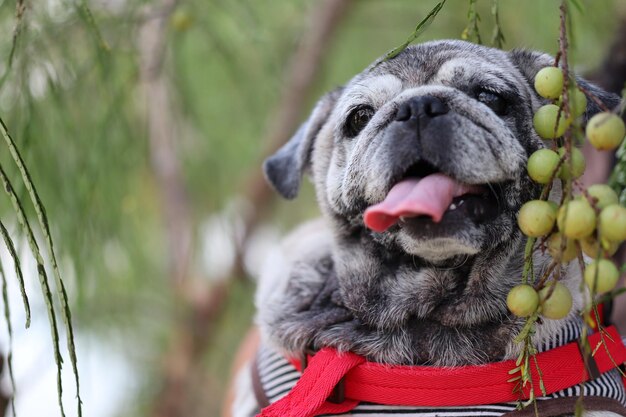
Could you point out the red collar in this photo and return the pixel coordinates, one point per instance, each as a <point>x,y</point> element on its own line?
<point>360,380</point>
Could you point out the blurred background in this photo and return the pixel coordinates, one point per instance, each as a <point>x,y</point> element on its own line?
<point>144,125</point>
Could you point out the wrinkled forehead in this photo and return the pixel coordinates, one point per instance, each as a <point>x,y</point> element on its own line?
<point>459,65</point>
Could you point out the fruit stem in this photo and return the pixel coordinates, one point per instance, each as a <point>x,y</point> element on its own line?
<point>563,46</point>
<point>528,260</point>
<point>546,274</point>
<point>545,193</point>
<point>595,99</point>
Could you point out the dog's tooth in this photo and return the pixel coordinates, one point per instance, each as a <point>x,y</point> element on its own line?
<point>452,207</point>
<point>402,218</point>
<point>460,202</point>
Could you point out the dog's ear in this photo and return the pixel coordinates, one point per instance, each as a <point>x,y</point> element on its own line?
<point>530,62</point>
<point>284,169</point>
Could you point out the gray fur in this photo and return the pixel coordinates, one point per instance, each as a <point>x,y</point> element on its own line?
<point>432,295</point>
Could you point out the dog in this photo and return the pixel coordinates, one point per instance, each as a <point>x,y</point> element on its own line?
<point>419,168</point>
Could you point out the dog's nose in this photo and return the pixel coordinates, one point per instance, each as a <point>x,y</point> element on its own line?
<point>421,106</point>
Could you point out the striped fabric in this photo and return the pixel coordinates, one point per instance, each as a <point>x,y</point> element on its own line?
<point>278,376</point>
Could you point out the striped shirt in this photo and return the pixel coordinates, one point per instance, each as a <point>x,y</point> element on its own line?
<point>278,376</point>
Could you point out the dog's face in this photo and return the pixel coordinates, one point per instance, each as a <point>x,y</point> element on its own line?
<point>421,160</point>
<point>431,147</point>
<point>455,115</point>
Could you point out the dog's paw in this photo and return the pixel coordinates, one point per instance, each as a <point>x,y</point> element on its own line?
<point>309,305</point>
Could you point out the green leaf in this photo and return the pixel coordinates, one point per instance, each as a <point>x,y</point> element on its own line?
<point>43,223</point>
<point>529,401</point>
<point>20,8</point>
<point>578,5</point>
<point>580,408</point>
<point>43,277</point>
<point>497,37</point>
<point>7,319</point>
<point>516,369</point>
<point>18,270</point>
<point>419,29</point>
<point>87,16</point>
<point>471,32</point>
<point>528,328</point>
<point>528,261</point>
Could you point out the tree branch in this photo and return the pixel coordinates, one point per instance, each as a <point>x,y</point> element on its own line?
<point>162,139</point>
<point>201,306</point>
<point>301,76</point>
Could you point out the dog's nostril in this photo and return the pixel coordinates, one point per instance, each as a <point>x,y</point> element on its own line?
<point>404,112</point>
<point>434,107</point>
<point>421,106</point>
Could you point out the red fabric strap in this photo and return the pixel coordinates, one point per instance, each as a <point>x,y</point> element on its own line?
<point>561,368</point>
<point>308,397</point>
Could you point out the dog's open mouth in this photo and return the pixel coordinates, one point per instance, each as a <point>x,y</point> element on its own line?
<point>425,194</point>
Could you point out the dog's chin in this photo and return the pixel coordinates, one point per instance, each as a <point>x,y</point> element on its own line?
<point>442,251</point>
<point>459,233</point>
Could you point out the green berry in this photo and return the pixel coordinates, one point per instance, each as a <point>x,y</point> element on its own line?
<point>536,218</point>
<point>604,194</point>
<point>577,163</point>
<point>522,300</point>
<point>544,122</point>
<point>554,248</point>
<point>576,219</point>
<point>601,275</point>
<point>554,205</point>
<point>577,102</point>
<point>541,165</point>
<point>558,305</point>
<point>549,82</point>
<point>605,131</point>
<point>591,247</point>
<point>181,20</point>
<point>612,223</point>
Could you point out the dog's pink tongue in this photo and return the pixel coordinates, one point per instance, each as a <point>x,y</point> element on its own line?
<point>431,196</point>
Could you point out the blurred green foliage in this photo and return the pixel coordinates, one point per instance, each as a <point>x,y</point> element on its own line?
<point>77,112</point>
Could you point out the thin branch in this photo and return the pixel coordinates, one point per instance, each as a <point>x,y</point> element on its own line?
<point>5,399</point>
<point>66,314</point>
<point>85,13</point>
<point>497,38</point>
<point>471,32</point>
<point>43,278</point>
<point>189,342</point>
<point>419,29</point>
<point>7,319</point>
<point>20,8</point>
<point>563,49</point>
<point>18,270</point>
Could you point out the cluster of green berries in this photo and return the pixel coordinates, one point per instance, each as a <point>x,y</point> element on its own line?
<point>593,222</point>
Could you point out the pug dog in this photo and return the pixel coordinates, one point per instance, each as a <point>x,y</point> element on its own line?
<point>419,168</point>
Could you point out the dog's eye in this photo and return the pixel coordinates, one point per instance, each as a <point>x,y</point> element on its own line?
<point>493,101</point>
<point>357,120</point>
